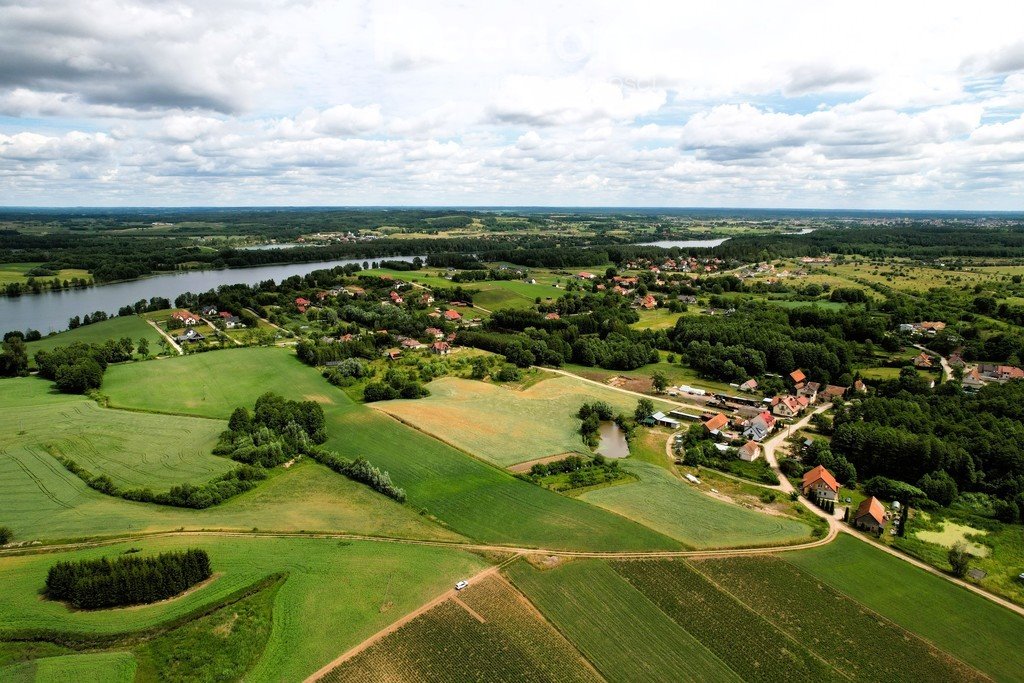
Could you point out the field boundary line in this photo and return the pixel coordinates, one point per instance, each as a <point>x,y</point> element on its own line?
<point>392,627</point>
<point>472,612</point>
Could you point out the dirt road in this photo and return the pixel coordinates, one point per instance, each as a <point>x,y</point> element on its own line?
<point>690,408</point>
<point>170,340</point>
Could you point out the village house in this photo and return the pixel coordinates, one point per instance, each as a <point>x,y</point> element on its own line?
<point>302,304</point>
<point>749,385</point>
<point>413,344</point>
<point>230,321</point>
<point>972,379</point>
<point>427,299</point>
<point>441,348</point>
<point>452,315</point>
<point>355,291</point>
<point>870,516</point>
<point>434,332</point>
<point>809,391</point>
<point>860,387</point>
<point>189,337</point>
<point>759,427</point>
<point>209,311</point>
<point>750,451</point>
<point>789,406</point>
<point>687,298</point>
<point>923,361</point>
<point>552,316</point>
<point>716,423</point>
<point>647,303</point>
<point>833,392</point>
<point>188,318</point>
<point>396,298</point>
<point>798,377</point>
<point>820,482</point>
<point>393,354</point>
<point>586,276</point>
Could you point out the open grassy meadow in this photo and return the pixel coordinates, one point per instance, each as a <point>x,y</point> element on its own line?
<point>469,497</point>
<point>488,632</point>
<point>132,326</point>
<point>663,502</point>
<point>16,272</point>
<point>619,630</point>
<point>335,595</point>
<point>967,626</point>
<point>502,425</point>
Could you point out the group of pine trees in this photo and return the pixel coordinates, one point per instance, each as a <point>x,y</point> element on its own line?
<point>126,580</point>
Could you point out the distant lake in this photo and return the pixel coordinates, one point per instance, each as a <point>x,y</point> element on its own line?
<point>685,244</point>
<point>50,311</point>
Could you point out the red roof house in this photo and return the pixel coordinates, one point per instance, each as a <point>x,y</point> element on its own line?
<point>302,304</point>
<point>820,481</point>
<point>870,515</point>
<point>452,315</point>
<point>716,423</point>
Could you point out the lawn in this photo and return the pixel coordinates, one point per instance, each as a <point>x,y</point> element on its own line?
<point>467,496</point>
<point>665,503</point>
<point>965,625</point>
<point>836,628</point>
<point>448,643</point>
<point>336,593</point>
<point>623,633</point>
<point>136,450</point>
<point>131,326</point>
<point>98,667</point>
<point>502,425</point>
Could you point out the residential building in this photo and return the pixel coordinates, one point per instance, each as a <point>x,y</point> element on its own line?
<point>820,482</point>
<point>441,348</point>
<point>716,423</point>
<point>749,385</point>
<point>750,451</point>
<point>870,516</point>
<point>186,317</point>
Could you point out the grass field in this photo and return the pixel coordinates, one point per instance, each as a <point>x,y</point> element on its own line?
<point>448,643</point>
<point>967,626</point>
<point>97,667</point>
<point>623,633</point>
<point>506,426</point>
<point>836,628</point>
<point>134,449</point>
<point>336,593</point>
<point>115,328</point>
<point>491,294</point>
<point>470,497</point>
<point>15,272</point>
<point>664,503</point>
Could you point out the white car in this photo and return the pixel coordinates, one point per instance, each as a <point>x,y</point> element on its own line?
<point>461,584</point>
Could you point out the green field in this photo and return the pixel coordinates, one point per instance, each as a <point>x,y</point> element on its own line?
<point>98,667</point>
<point>490,294</point>
<point>336,593</point>
<point>502,425</point>
<point>620,631</point>
<point>836,628</point>
<point>468,496</point>
<point>136,450</point>
<point>664,503</point>
<point>15,272</point>
<point>966,626</point>
<point>448,643</point>
<point>131,326</point>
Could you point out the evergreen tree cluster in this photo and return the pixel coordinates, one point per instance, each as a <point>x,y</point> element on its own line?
<point>126,580</point>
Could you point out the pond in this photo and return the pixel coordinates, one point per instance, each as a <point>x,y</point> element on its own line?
<point>613,441</point>
<point>50,311</point>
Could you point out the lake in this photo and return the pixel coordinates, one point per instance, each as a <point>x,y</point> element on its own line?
<point>613,441</point>
<point>50,311</point>
<point>685,244</point>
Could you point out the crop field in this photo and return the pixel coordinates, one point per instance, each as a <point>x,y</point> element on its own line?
<point>131,326</point>
<point>134,449</point>
<point>833,626</point>
<point>747,642</point>
<point>912,278</point>
<point>467,496</point>
<point>336,593</point>
<point>965,625</point>
<point>96,667</point>
<point>619,630</point>
<point>504,639</point>
<point>506,426</point>
<point>664,503</point>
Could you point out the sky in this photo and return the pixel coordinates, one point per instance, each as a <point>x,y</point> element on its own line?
<point>872,105</point>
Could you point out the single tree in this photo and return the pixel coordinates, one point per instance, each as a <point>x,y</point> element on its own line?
<point>143,347</point>
<point>959,559</point>
<point>659,381</point>
<point>644,409</point>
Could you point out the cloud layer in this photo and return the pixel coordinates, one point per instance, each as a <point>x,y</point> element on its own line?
<point>133,102</point>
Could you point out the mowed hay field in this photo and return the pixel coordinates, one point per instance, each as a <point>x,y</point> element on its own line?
<point>469,497</point>
<point>502,425</point>
<point>131,326</point>
<point>620,631</point>
<point>96,667</point>
<point>136,450</point>
<point>487,633</point>
<point>965,625</point>
<point>336,593</point>
<point>663,502</point>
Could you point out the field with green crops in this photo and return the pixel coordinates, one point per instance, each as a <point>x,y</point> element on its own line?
<point>502,425</point>
<point>131,326</point>
<point>469,497</point>
<point>663,502</point>
<point>836,628</point>
<point>504,639</point>
<point>133,449</point>
<point>965,625</point>
<point>619,630</point>
<point>335,595</point>
<point>747,642</point>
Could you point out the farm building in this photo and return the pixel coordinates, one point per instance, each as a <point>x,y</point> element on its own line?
<point>798,377</point>
<point>441,348</point>
<point>821,483</point>
<point>664,420</point>
<point>833,392</point>
<point>750,451</point>
<point>452,315</point>
<point>716,423</point>
<point>749,385</point>
<point>870,516</point>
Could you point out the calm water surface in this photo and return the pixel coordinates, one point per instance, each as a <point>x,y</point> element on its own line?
<point>613,441</point>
